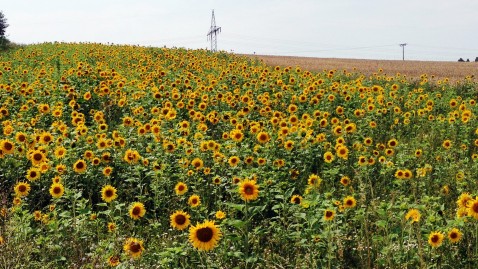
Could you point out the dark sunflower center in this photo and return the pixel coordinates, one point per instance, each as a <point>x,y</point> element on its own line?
<point>181,188</point>
<point>349,202</point>
<point>79,165</point>
<point>22,188</point>
<point>57,190</point>
<point>296,200</point>
<point>8,145</point>
<point>109,193</point>
<point>135,247</point>
<point>37,156</point>
<point>180,219</point>
<point>249,190</point>
<point>136,211</point>
<point>329,214</point>
<point>453,235</point>
<point>194,201</point>
<point>204,234</point>
<point>475,207</point>
<point>435,239</point>
<point>33,174</point>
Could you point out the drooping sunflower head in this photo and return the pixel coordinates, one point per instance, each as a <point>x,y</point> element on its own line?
<point>108,193</point>
<point>204,236</point>
<point>296,199</point>
<point>179,220</point>
<point>413,215</point>
<point>113,261</point>
<point>133,247</point>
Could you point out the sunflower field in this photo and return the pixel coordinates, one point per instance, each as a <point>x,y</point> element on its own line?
<point>136,157</point>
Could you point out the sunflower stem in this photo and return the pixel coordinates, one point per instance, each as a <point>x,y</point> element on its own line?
<point>420,249</point>
<point>246,233</point>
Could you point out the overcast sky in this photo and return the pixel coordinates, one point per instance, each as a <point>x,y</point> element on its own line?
<point>443,30</point>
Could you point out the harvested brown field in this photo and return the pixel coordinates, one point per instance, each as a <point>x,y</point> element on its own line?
<point>453,70</point>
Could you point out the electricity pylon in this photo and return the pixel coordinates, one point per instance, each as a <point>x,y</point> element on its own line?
<point>213,31</point>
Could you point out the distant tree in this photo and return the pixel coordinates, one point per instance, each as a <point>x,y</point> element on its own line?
<point>3,24</point>
<point>4,42</point>
<point>467,60</point>
<point>461,60</point>
<point>476,59</point>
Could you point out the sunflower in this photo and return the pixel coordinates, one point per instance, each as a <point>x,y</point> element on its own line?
<point>137,210</point>
<point>179,220</point>
<point>392,143</point>
<point>314,180</point>
<point>60,152</point>
<point>111,227</point>
<point>37,215</point>
<point>22,189</point>
<point>345,180</point>
<point>37,157</point>
<point>194,200</point>
<point>473,208</point>
<point>133,247</point>
<point>342,152</point>
<point>181,188</point>
<point>329,214</point>
<point>413,214</point>
<point>197,163</point>
<point>289,145</point>
<point>249,190</point>
<point>7,147</point>
<point>204,236</point>
<point>463,200</point>
<point>108,193</point>
<point>107,171</point>
<point>263,137</point>
<point>57,190</point>
<point>79,166</point>
<point>296,199</point>
<point>234,161</point>
<point>113,261</point>
<point>446,144</point>
<point>454,235</point>
<point>329,157</point>
<point>220,214</point>
<point>350,202</point>
<point>435,239</point>
<point>33,174</point>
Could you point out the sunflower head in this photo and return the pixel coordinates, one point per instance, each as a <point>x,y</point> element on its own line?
<point>204,236</point>
<point>133,247</point>
<point>108,193</point>
<point>249,190</point>
<point>137,210</point>
<point>57,190</point>
<point>179,220</point>
<point>435,239</point>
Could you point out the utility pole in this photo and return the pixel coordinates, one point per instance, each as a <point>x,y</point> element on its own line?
<point>212,35</point>
<point>403,50</point>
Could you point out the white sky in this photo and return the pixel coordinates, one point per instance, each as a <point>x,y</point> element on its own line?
<point>443,30</point>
